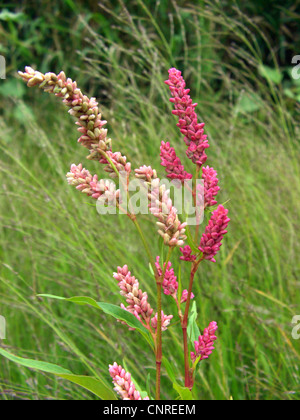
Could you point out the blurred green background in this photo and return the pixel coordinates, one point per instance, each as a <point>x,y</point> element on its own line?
<point>236,58</point>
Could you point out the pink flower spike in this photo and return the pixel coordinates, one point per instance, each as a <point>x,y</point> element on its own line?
<point>165,321</point>
<point>137,300</point>
<point>205,344</point>
<point>145,173</point>
<point>211,240</point>
<point>103,190</point>
<point>123,384</point>
<point>172,163</point>
<point>170,284</point>
<point>187,254</point>
<point>193,132</point>
<point>211,188</point>
<point>185,295</point>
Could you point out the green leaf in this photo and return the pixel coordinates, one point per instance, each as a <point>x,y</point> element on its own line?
<point>12,87</point>
<point>123,315</point>
<point>94,385</point>
<point>169,369</point>
<point>270,74</point>
<point>184,393</point>
<point>6,15</point>
<point>249,102</point>
<point>109,309</point>
<point>190,240</point>
<point>192,329</point>
<point>35,364</point>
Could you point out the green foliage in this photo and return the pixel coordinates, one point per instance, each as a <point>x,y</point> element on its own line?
<point>94,385</point>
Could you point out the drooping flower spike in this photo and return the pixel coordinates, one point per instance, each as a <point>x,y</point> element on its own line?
<point>123,384</point>
<point>85,109</point>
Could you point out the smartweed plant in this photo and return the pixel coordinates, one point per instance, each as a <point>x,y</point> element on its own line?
<point>138,314</point>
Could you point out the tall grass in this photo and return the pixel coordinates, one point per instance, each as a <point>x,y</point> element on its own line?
<point>53,240</point>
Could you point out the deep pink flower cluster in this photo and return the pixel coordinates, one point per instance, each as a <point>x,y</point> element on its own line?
<point>172,163</point>
<point>211,188</point>
<point>187,254</point>
<point>193,132</point>
<point>123,384</point>
<point>215,230</point>
<point>205,344</point>
<point>137,300</point>
<point>170,284</point>
<point>185,295</point>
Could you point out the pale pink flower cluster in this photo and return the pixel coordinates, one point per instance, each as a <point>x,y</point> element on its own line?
<point>118,161</point>
<point>146,173</point>
<point>205,344</point>
<point>170,228</point>
<point>165,321</point>
<point>193,132</point>
<point>137,300</point>
<point>89,184</point>
<point>123,384</point>
<point>160,205</point>
<point>172,163</point>
<point>211,240</point>
<point>211,188</point>
<point>93,135</point>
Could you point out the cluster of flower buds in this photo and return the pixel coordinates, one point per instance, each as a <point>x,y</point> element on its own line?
<point>160,205</point>
<point>123,384</point>
<point>165,321</point>
<point>172,163</point>
<point>93,135</point>
<point>187,254</point>
<point>137,300</point>
<point>205,344</point>
<point>118,161</point>
<point>211,188</point>
<point>184,296</point>
<point>211,240</point>
<point>193,132</point>
<point>89,184</point>
<point>169,283</point>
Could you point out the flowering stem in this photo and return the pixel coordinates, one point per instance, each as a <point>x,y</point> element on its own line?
<point>187,371</point>
<point>158,338</point>
<point>195,201</point>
